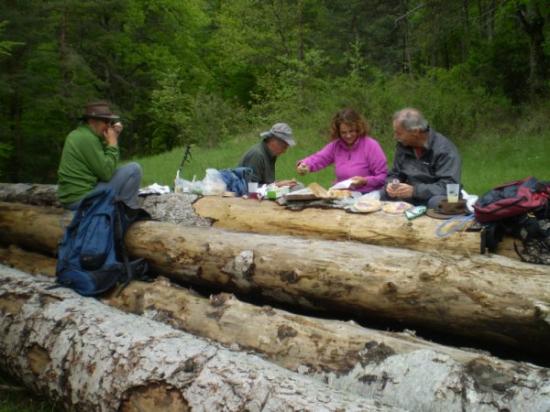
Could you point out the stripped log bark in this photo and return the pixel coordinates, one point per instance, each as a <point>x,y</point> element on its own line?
<point>375,228</point>
<point>94,358</point>
<point>494,299</point>
<point>380,365</point>
<point>270,218</point>
<point>29,193</point>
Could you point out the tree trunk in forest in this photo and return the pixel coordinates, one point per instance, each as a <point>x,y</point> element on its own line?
<point>493,299</point>
<point>269,218</point>
<point>92,357</point>
<point>465,41</point>
<point>343,355</point>
<point>375,228</point>
<point>532,24</point>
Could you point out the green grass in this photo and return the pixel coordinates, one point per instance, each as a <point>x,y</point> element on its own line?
<point>487,160</point>
<point>15,398</point>
<point>492,160</point>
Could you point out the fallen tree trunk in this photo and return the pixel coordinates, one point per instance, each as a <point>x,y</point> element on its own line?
<point>269,218</point>
<point>494,299</point>
<point>375,228</point>
<point>91,357</point>
<point>382,366</point>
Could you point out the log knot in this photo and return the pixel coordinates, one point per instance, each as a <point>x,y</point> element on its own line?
<point>487,378</point>
<point>241,267</point>
<point>290,276</point>
<point>285,331</point>
<point>389,288</point>
<point>38,359</point>
<point>375,352</point>
<point>220,299</point>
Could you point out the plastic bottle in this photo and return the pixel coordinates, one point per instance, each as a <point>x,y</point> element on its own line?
<point>178,183</point>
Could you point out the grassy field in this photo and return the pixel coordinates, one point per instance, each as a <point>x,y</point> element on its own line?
<point>487,161</point>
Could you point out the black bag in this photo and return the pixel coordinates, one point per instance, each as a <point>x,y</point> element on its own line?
<point>92,257</point>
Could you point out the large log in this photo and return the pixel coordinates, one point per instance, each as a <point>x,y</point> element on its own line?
<point>375,228</point>
<point>380,365</point>
<point>269,218</point>
<point>94,358</point>
<point>494,299</point>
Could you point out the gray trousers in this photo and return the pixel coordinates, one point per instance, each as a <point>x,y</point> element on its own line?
<point>125,183</point>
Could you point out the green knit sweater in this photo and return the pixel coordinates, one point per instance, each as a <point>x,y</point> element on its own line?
<point>86,159</point>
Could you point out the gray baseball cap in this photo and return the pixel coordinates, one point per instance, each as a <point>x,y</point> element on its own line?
<point>281,131</point>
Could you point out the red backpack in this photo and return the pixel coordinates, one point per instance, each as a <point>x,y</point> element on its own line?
<point>512,199</point>
<point>520,209</point>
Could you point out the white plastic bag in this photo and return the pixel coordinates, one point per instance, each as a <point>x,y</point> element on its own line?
<point>186,186</point>
<point>213,183</point>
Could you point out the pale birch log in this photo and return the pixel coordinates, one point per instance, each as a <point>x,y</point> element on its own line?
<point>94,358</point>
<point>380,365</point>
<point>269,218</point>
<point>494,299</point>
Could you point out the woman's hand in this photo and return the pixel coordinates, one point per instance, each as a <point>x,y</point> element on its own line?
<point>358,181</point>
<point>302,168</point>
<point>289,183</point>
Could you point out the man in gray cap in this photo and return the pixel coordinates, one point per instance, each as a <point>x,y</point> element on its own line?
<point>262,156</point>
<point>89,160</point>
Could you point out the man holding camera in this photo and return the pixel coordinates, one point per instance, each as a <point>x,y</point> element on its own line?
<point>89,159</point>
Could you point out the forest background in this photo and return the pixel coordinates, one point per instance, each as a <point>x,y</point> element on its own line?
<point>205,71</point>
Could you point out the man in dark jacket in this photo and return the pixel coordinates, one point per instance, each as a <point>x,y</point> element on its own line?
<point>424,161</point>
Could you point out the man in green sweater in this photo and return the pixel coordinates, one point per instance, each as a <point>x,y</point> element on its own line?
<point>89,159</point>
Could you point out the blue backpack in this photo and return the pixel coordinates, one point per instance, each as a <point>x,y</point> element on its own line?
<point>237,179</point>
<point>92,257</point>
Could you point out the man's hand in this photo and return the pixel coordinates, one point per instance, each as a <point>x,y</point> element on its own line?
<point>302,168</point>
<point>399,190</point>
<point>118,127</point>
<point>358,181</point>
<point>112,133</point>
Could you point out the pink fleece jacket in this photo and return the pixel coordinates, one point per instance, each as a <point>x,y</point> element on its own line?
<point>365,158</point>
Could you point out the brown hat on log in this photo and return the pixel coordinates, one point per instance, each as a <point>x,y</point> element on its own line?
<point>99,110</point>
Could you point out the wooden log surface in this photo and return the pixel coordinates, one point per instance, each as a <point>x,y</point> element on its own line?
<point>379,228</point>
<point>379,365</point>
<point>494,299</point>
<point>269,218</point>
<point>95,358</point>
